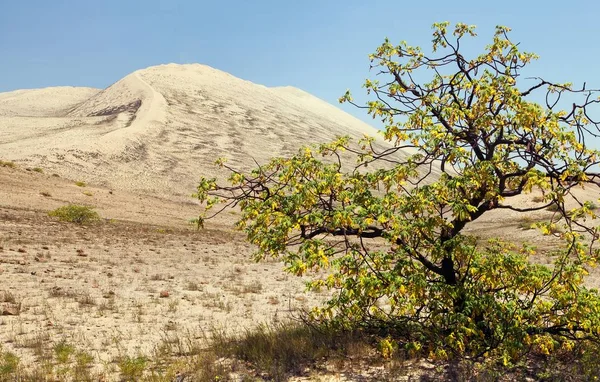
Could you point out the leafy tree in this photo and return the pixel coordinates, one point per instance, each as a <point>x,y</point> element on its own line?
<point>387,235</point>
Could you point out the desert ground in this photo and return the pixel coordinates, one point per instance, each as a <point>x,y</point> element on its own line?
<point>143,280</point>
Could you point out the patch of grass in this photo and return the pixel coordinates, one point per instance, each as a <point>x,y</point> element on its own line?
<point>9,365</point>
<point>88,193</point>
<point>75,214</point>
<point>60,292</point>
<point>132,368</point>
<point>285,349</point>
<point>8,164</point>
<point>83,364</point>
<point>527,223</point>
<point>37,342</point>
<point>80,183</point>
<point>63,351</point>
<point>85,299</point>
<point>7,296</point>
<point>193,286</point>
<point>38,169</point>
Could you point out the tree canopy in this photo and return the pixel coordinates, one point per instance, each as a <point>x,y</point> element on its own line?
<point>386,234</point>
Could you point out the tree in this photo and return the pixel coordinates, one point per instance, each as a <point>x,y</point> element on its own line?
<point>387,235</point>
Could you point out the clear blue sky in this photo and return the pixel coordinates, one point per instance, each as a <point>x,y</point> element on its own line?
<point>319,46</point>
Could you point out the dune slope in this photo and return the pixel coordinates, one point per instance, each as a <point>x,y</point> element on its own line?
<point>159,129</point>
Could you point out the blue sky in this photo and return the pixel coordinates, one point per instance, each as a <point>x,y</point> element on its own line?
<point>319,46</point>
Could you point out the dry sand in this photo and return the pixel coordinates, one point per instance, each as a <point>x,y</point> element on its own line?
<point>159,129</point>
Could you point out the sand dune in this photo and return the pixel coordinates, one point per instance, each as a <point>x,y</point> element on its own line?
<point>47,102</point>
<point>159,129</point>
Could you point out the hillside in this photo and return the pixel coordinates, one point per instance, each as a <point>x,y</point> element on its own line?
<point>159,129</point>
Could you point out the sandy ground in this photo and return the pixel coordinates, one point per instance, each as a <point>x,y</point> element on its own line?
<point>100,286</point>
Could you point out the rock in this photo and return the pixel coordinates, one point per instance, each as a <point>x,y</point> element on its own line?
<point>164,294</point>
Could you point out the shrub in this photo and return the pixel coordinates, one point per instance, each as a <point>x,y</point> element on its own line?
<point>9,364</point>
<point>7,164</point>
<point>132,369</point>
<point>75,214</point>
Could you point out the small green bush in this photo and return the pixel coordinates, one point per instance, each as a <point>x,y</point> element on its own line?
<point>7,164</point>
<point>132,369</point>
<point>75,214</point>
<point>80,183</point>
<point>38,169</point>
<point>9,364</point>
<point>63,351</point>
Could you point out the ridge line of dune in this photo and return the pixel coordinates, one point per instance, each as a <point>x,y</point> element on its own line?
<point>155,109</point>
<point>159,129</point>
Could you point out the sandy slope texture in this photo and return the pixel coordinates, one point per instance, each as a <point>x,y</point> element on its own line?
<point>47,102</point>
<point>159,129</point>
<point>99,286</point>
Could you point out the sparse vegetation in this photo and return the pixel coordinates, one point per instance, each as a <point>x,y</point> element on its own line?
<point>8,296</point>
<point>75,214</point>
<point>80,183</point>
<point>85,299</point>
<point>132,368</point>
<point>38,169</point>
<point>9,364</point>
<point>63,351</point>
<point>527,222</point>
<point>8,164</point>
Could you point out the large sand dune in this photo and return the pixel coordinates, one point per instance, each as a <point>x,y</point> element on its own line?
<point>159,129</point>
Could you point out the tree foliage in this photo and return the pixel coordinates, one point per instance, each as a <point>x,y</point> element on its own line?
<point>387,234</point>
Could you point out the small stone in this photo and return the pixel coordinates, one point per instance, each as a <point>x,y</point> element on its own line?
<point>164,294</point>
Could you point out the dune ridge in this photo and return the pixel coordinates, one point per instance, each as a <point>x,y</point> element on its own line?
<point>160,128</point>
